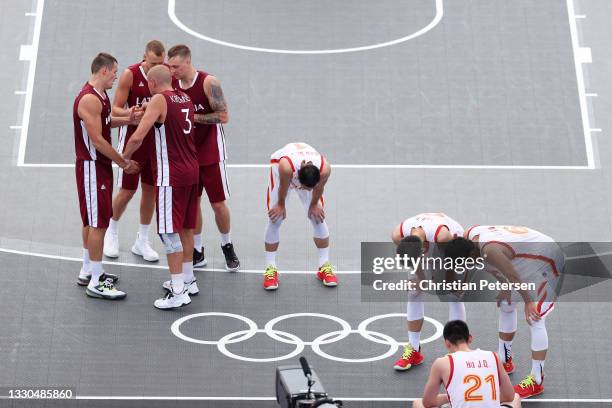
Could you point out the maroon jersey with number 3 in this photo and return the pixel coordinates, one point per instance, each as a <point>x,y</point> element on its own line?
<point>209,139</point>
<point>84,147</point>
<point>175,152</point>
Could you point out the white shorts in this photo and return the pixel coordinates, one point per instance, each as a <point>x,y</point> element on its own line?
<point>544,270</point>
<point>305,196</point>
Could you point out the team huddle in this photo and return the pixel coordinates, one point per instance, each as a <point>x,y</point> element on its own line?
<point>172,141</point>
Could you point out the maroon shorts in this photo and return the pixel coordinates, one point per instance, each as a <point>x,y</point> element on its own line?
<point>95,188</point>
<point>213,179</point>
<point>143,157</point>
<point>177,208</point>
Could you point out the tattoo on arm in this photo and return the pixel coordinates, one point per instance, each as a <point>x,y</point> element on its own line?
<point>217,100</point>
<point>208,118</point>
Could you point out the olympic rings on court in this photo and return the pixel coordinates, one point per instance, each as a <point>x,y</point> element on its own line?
<point>292,339</point>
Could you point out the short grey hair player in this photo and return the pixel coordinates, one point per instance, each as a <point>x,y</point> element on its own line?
<point>176,178</point>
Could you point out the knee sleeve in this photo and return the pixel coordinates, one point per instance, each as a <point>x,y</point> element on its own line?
<point>320,230</point>
<point>172,242</point>
<point>507,317</point>
<point>539,335</point>
<point>415,310</point>
<point>456,311</point>
<point>273,232</point>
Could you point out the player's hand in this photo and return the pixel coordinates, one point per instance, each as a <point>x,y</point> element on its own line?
<point>504,295</point>
<point>277,213</point>
<point>316,213</point>
<point>132,168</point>
<point>223,117</point>
<point>531,313</point>
<point>143,105</point>
<point>136,114</point>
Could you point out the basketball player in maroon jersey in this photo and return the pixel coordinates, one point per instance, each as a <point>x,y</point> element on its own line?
<point>92,121</point>
<point>210,115</point>
<point>176,175</point>
<point>133,91</point>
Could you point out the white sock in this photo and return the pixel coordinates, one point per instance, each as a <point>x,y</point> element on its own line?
<point>188,271</point>
<point>323,255</point>
<point>225,239</point>
<point>178,283</point>
<point>197,242</point>
<point>143,232</point>
<point>271,258</point>
<point>414,338</point>
<point>86,260</point>
<point>505,350</point>
<point>537,370</point>
<point>96,272</point>
<point>112,226</point>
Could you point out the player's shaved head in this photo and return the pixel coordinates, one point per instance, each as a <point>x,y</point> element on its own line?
<point>160,74</point>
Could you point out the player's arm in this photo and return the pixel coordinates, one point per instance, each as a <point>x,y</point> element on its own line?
<point>155,110</point>
<point>285,172</point>
<point>431,398</point>
<point>121,94</point>
<point>317,191</point>
<point>506,389</point>
<point>214,94</point>
<point>90,112</point>
<point>132,119</point>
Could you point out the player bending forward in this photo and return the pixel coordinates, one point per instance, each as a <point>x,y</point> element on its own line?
<point>518,255</point>
<point>429,232</point>
<point>472,378</point>
<point>299,168</point>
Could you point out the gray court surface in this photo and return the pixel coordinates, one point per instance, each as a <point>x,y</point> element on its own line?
<point>493,83</point>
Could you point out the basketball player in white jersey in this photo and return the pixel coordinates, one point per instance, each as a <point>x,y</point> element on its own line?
<point>429,232</point>
<point>298,168</point>
<point>472,378</point>
<point>518,255</point>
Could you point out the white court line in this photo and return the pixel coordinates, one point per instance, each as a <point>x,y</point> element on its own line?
<point>20,92</point>
<point>15,127</point>
<point>30,83</point>
<point>177,398</point>
<point>437,18</point>
<point>579,16</point>
<point>591,95</point>
<point>588,141</point>
<point>155,266</point>
<point>439,13</point>
<point>368,166</point>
